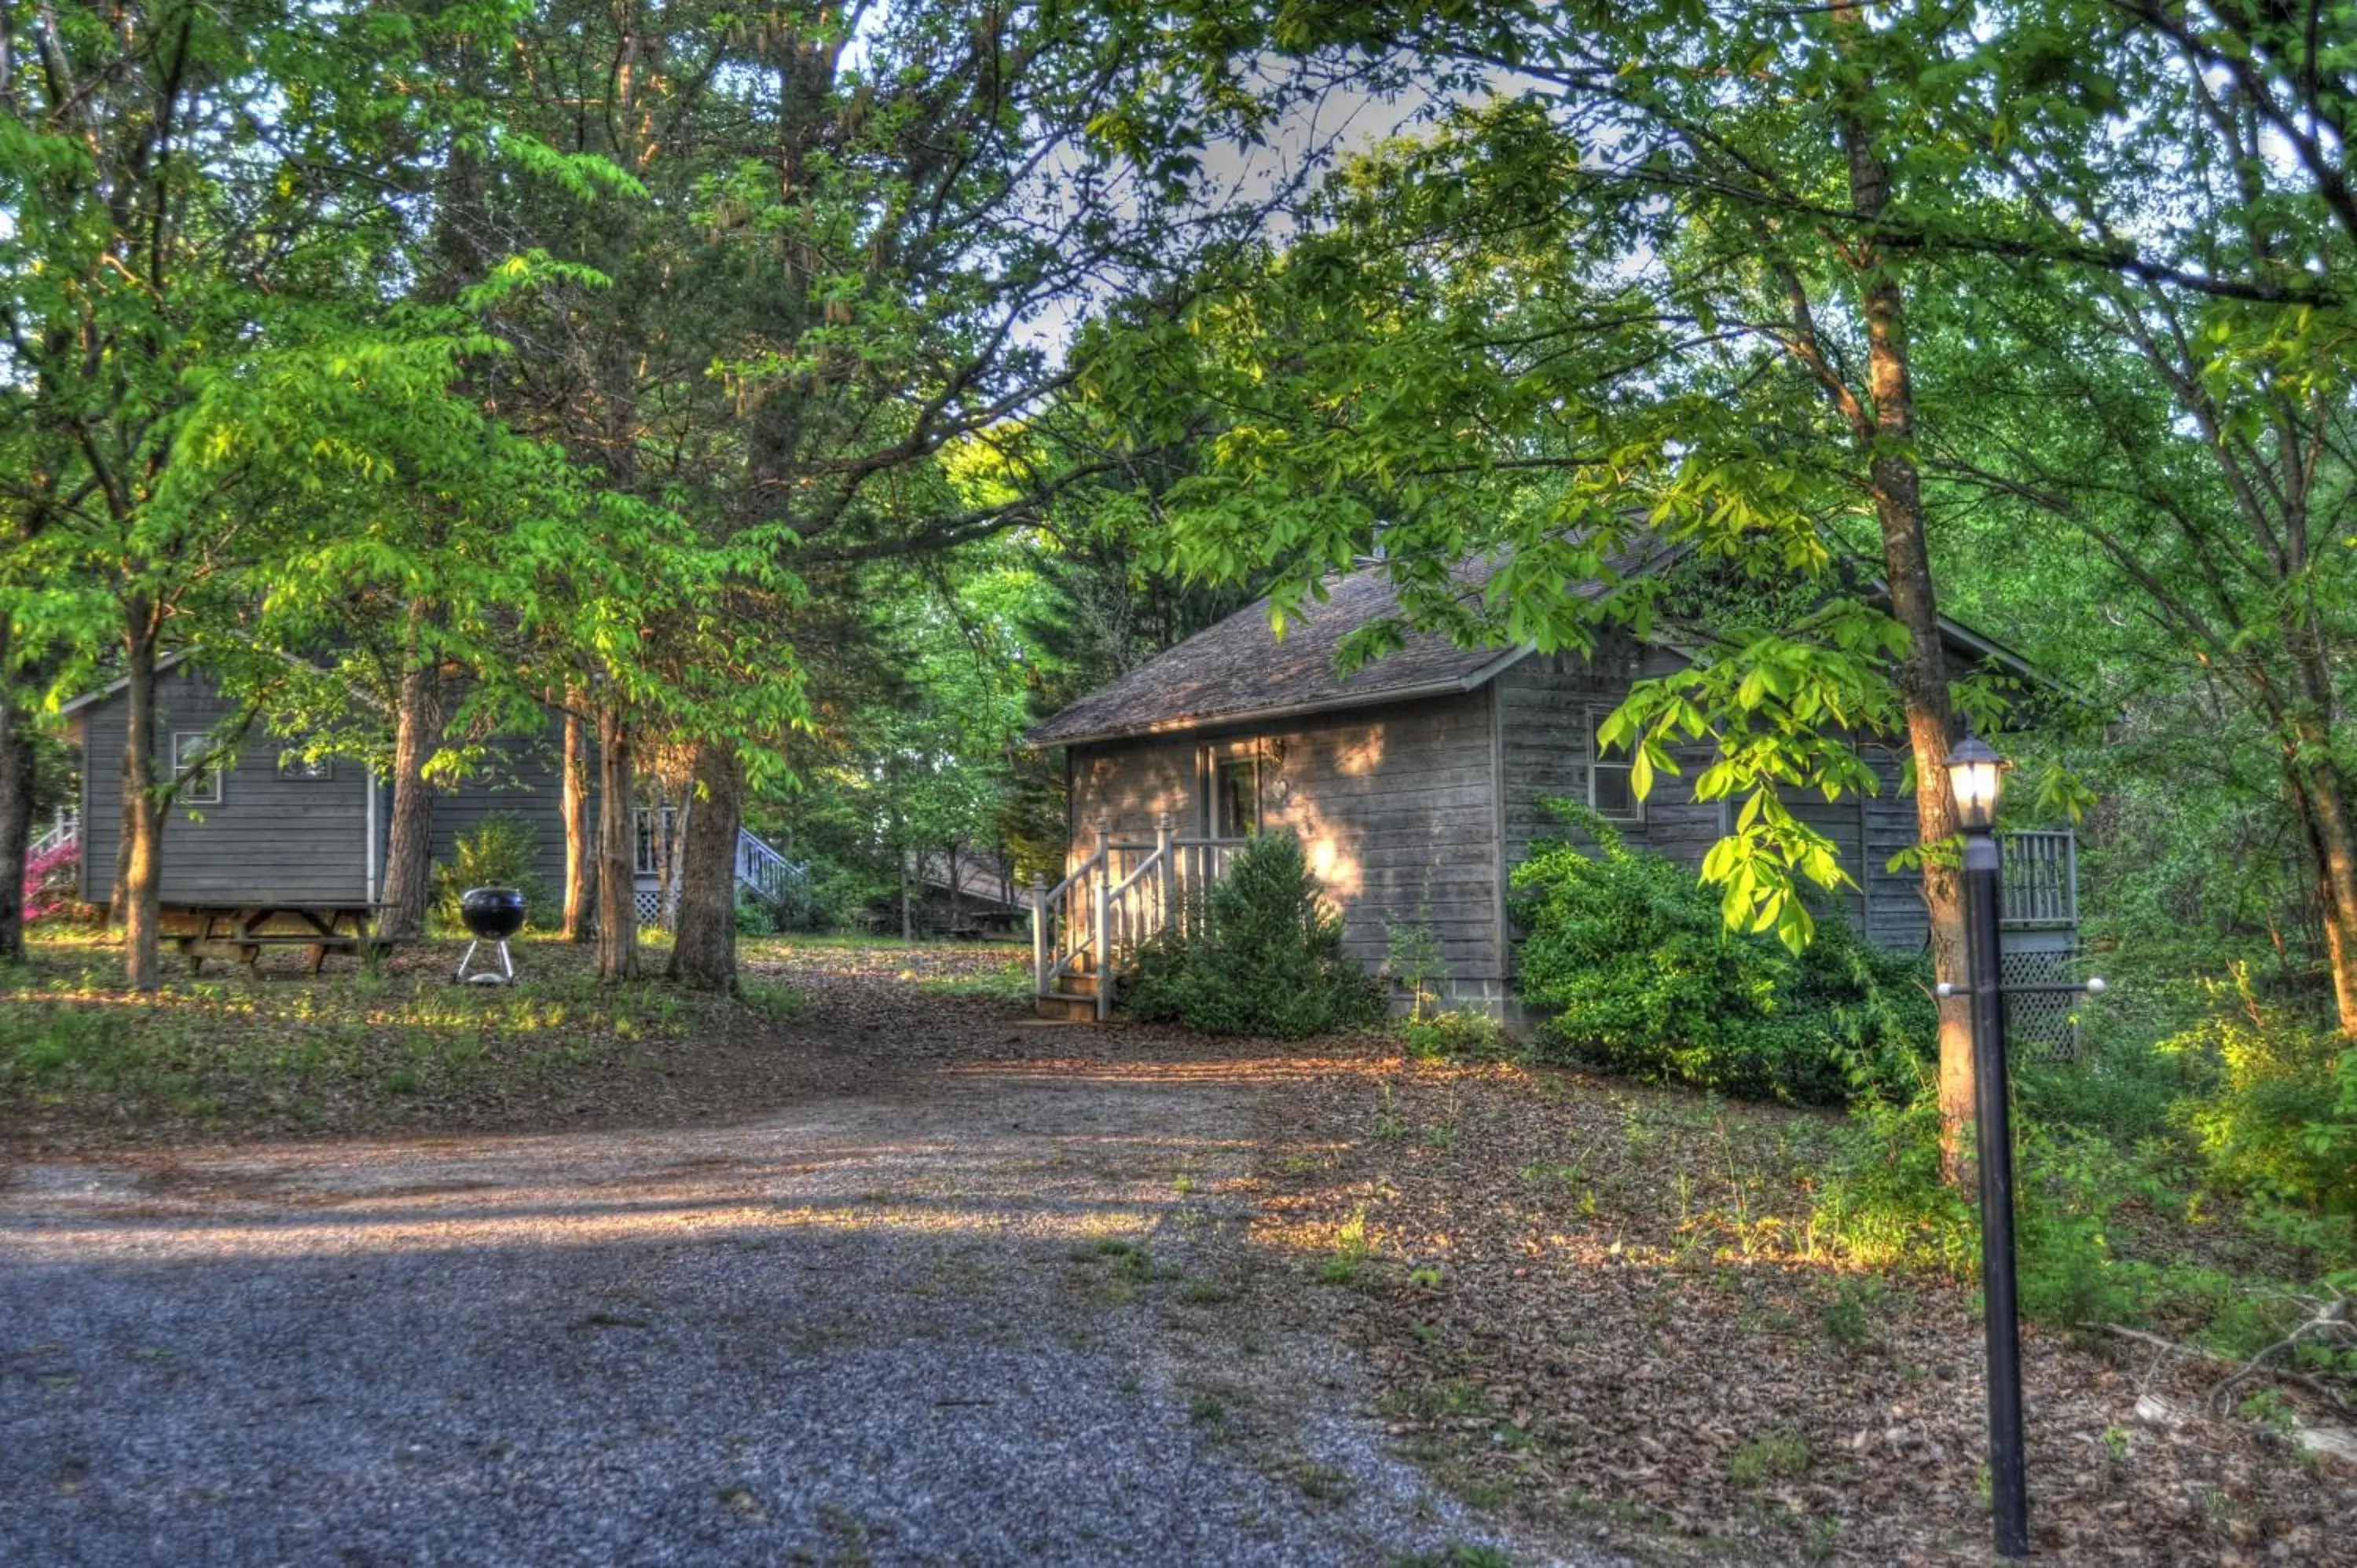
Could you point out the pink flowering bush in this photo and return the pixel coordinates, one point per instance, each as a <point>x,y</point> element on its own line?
<point>48,891</point>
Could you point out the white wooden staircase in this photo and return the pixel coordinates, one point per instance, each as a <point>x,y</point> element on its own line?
<point>1087,930</point>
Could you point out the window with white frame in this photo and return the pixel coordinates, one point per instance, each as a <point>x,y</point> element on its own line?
<point>190,748</point>
<point>1612,775</point>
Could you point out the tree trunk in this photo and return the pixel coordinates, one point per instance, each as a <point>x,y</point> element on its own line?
<point>956,907</point>
<point>16,778</point>
<point>1923,668</point>
<point>617,910</point>
<point>2320,794</point>
<point>578,857</point>
<point>143,864</point>
<point>704,950</point>
<point>118,887</point>
<point>908,910</point>
<point>675,870</point>
<point>417,735</point>
<point>658,837</point>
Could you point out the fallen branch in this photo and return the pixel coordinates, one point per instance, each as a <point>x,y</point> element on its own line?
<point>2333,1314</point>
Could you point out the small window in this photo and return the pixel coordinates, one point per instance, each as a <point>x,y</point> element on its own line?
<point>1611,777</point>
<point>295,764</point>
<point>1235,794</point>
<point>190,748</point>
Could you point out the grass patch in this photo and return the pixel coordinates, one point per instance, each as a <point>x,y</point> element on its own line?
<point>347,1048</point>
<point>1779,1456</point>
<point>1010,984</point>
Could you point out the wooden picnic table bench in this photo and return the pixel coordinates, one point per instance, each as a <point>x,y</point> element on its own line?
<point>239,933</point>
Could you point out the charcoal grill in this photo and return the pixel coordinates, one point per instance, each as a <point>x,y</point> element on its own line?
<point>493,915</point>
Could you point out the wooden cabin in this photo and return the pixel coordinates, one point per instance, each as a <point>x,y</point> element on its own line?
<point>1414,784</point>
<point>270,829</point>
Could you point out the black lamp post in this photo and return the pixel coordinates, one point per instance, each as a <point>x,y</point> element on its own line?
<point>1976,775</point>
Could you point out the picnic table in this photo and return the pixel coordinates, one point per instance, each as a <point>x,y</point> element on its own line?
<point>239,933</point>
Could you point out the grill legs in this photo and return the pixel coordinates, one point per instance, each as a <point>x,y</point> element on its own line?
<point>507,970</point>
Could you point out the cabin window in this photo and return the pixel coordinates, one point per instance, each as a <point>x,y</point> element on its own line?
<point>1611,776</point>
<point>1235,794</point>
<point>295,764</point>
<point>189,749</point>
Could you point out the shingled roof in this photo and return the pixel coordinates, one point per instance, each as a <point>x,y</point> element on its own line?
<point>1240,669</point>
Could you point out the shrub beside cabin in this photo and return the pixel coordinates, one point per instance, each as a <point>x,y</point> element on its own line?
<point>1414,784</point>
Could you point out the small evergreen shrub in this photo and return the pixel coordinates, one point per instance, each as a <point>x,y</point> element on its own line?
<point>502,852</point>
<point>1628,955</point>
<point>1261,955</point>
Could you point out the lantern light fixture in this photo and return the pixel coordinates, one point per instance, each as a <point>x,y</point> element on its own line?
<point>1975,778</point>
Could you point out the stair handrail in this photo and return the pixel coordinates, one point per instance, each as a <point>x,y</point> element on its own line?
<point>761,868</point>
<point>1056,955</point>
<point>64,830</point>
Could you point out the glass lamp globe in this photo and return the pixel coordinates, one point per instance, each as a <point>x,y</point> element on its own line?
<point>1976,777</point>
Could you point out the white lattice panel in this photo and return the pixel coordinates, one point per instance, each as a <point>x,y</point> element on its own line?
<point>2040,1023</point>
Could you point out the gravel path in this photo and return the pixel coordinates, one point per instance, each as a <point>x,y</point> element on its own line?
<point>963,1320</point>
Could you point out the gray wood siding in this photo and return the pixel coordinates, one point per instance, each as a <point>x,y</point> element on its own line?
<point>1896,917</point>
<point>1546,706</point>
<point>1543,703</point>
<point>1394,805</point>
<point>287,839</point>
<point>270,839</point>
<point>522,777</point>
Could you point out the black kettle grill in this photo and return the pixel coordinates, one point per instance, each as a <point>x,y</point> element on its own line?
<point>493,915</point>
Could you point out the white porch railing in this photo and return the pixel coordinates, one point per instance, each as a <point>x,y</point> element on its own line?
<point>759,866</point>
<point>66,829</point>
<point>1092,923</point>
<point>764,870</point>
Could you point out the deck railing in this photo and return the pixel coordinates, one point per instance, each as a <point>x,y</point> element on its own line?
<point>2041,879</point>
<point>759,866</point>
<point>65,829</point>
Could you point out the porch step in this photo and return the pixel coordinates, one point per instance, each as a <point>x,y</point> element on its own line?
<point>1067,1008</point>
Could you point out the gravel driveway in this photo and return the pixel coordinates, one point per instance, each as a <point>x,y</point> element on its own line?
<point>969,1319</point>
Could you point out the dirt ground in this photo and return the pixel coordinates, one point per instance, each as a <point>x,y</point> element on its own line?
<point>872,1267</point>
<point>947,1285</point>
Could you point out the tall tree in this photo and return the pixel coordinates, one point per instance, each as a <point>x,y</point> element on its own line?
<point>1641,288</point>
<point>824,247</point>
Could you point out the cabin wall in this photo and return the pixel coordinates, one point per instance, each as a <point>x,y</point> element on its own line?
<point>1394,805</point>
<point>1546,706</point>
<point>289,839</point>
<point>1896,915</point>
<point>271,838</point>
<point>521,776</point>
<point>1545,703</point>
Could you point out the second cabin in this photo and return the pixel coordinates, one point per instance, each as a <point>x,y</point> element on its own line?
<point>1414,785</point>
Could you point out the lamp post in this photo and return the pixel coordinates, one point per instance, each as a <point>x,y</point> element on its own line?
<point>1976,777</point>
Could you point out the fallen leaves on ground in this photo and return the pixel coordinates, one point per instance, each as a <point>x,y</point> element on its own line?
<point>1598,1308</point>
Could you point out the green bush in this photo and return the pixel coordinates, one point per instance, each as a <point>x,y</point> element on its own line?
<point>2278,1119</point>
<point>1263,955</point>
<point>1628,954</point>
<point>1882,1203</point>
<point>502,852</point>
<point>755,917</point>
<point>1459,1037</point>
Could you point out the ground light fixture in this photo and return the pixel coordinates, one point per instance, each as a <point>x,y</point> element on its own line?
<point>1976,779</point>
